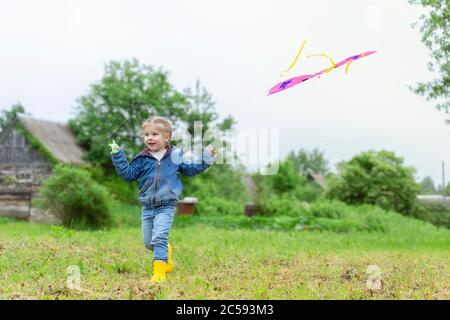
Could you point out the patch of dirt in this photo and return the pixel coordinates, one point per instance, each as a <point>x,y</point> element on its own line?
<point>351,274</point>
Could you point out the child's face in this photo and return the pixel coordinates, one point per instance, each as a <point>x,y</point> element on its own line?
<point>155,138</point>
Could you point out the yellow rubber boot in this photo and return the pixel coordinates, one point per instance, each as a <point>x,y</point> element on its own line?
<point>159,271</point>
<point>169,258</point>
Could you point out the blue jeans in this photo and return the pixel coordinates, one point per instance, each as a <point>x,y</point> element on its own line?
<point>156,224</point>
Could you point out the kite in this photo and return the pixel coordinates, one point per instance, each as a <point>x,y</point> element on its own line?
<point>297,80</point>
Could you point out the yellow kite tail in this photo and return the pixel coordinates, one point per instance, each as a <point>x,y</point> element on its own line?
<point>348,66</point>
<point>326,56</point>
<point>296,58</point>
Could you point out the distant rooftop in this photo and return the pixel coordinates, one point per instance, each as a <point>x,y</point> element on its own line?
<point>57,137</point>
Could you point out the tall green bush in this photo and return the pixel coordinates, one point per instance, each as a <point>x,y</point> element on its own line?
<point>278,205</point>
<point>72,195</point>
<point>378,178</point>
<point>435,213</point>
<point>119,189</point>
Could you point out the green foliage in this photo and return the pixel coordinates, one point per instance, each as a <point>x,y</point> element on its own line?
<point>308,191</point>
<point>202,107</point>
<point>287,178</point>
<point>219,181</point>
<point>427,186</point>
<point>435,213</point>
<point>331,215</point>
<point>378,178</point>
<point>127,94</point>
<point>329,209</point>
<point>445,191</point>
<point>435,29</point>
<point>75,198</point>
<point>340,217</point>
<point>118,189</point>
<point>306,162</point>
<point>8,115</point>
<point>282,223</point>
<point>287,181</point>
<point>125,215</point>
<point>219,206</point>
<point>323,215</point>
<point>285,204</point>
<point>34,143</point>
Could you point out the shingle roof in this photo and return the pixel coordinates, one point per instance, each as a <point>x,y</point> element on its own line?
<point>57,137</point>
<point>319,179</point>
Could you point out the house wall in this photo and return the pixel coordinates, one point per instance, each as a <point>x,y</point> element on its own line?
<point>28,166</point>
<point>22,170</point>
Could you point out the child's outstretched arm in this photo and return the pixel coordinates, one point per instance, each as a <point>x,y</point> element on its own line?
<point>123,169</point>
<point>192,169</point>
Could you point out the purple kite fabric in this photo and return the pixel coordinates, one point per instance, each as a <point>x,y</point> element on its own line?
<point>297,80</point>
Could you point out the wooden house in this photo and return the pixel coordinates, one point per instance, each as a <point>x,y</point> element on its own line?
<point>317,178</point>
<point>28,149</point>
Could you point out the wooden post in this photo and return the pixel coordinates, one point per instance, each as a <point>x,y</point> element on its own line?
<point>250,209</point>
<point>443,182</point>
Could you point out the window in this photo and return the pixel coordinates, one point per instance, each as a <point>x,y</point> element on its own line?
<point>19,140</point>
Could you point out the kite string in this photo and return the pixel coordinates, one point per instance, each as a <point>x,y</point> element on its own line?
<point>123,122</point>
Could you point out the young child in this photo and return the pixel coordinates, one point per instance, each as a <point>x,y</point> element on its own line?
<point>157,170</point>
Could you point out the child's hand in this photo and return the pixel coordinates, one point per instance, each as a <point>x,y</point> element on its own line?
<point>211,149</point>
<point>114,147</point>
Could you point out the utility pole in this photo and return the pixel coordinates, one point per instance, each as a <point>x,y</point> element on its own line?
<point>443,182</point>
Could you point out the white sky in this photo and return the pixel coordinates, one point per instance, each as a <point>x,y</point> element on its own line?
<point>51,51</point>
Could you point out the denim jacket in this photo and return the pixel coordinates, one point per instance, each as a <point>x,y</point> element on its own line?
<point>159,181</point>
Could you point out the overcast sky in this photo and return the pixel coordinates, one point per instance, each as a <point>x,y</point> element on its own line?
<point>52,51</point>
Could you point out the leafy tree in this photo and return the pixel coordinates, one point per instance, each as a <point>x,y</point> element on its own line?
<point>435,29</point>
<point>200,107</point>
<point>378,178</point>
<point>7,115</point>
<point>287,179</point>
<point>127,94</point>
<point>305,162</point>
<point>427,186</point>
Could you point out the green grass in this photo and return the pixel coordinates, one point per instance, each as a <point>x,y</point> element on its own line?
<point>225,258</point>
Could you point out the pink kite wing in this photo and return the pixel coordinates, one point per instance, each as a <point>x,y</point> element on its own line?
<point>289,83</point>
<point>353,58</point>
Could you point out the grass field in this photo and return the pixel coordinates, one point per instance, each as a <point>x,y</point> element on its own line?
<point>213,262</point>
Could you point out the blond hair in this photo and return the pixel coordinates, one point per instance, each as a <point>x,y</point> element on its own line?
<point>164,122</point>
